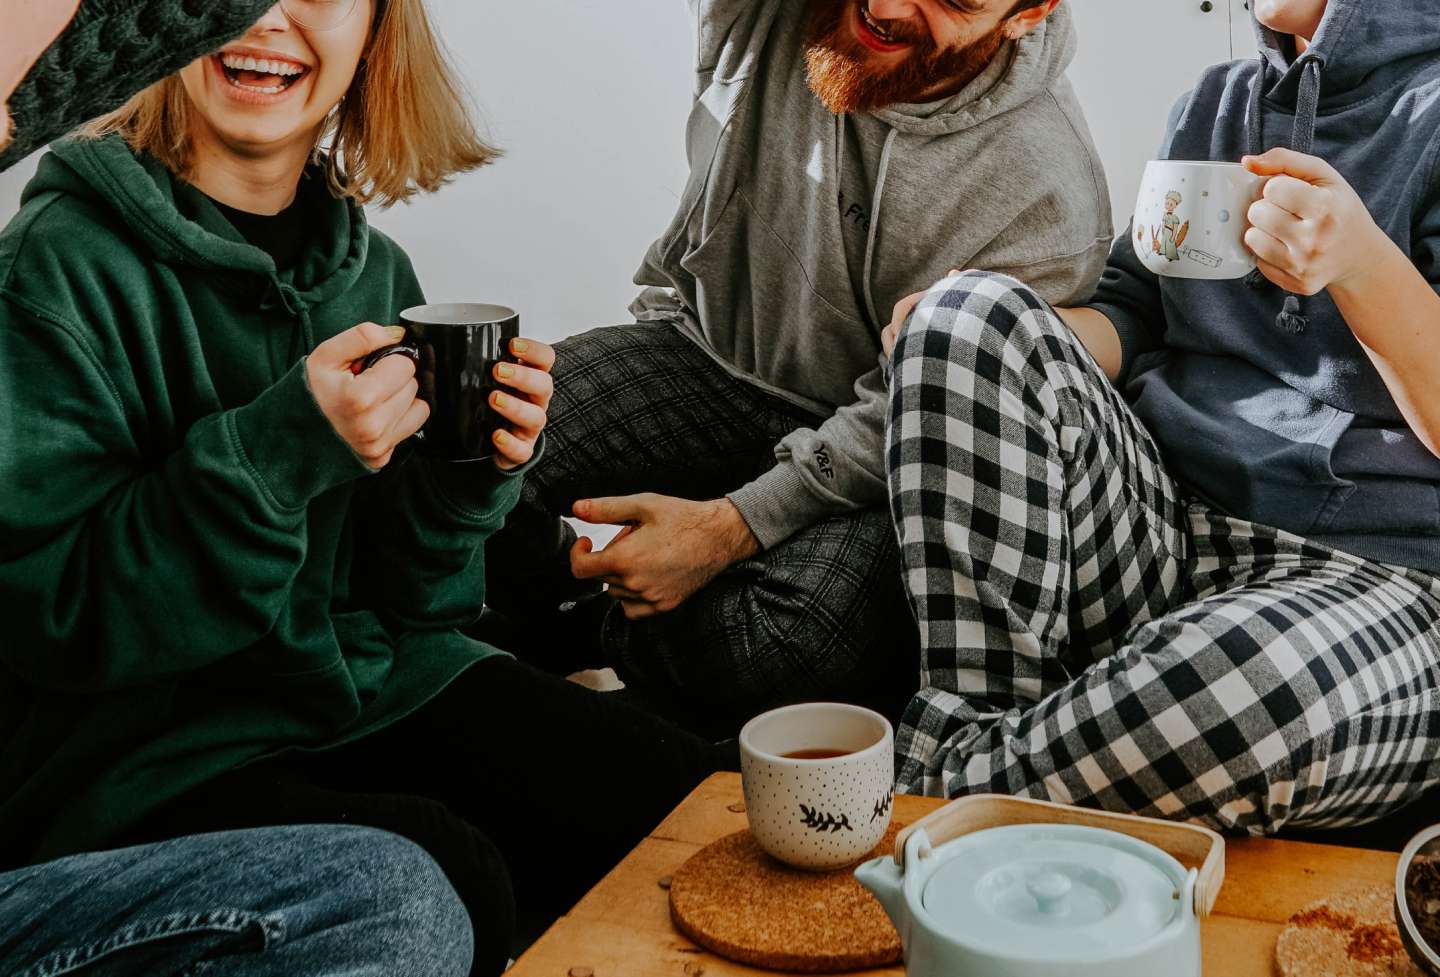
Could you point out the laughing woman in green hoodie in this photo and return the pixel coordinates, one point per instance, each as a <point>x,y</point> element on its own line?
<point>230,595</point>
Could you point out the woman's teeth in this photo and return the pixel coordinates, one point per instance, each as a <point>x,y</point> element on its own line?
<point>264,75</point>
<point>236,62</point>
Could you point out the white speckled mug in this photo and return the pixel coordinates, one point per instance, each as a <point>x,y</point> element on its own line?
<point>1190,219</point>
<point>819,782</point>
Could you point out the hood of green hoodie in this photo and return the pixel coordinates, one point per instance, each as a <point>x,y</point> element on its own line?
<point>179,225</point>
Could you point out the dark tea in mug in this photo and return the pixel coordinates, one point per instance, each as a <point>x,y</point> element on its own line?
<point>457,349</point>
<point>816,754</point>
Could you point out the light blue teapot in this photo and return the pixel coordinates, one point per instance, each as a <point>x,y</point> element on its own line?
<point>1004,887</point>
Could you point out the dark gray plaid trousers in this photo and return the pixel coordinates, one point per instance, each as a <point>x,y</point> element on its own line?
<point>640,408</point>
<point>1091,636</point>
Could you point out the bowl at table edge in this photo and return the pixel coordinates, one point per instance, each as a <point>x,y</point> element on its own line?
<point>1426,957</point>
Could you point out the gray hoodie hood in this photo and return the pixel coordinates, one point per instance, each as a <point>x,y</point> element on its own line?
<point>1024,70</point>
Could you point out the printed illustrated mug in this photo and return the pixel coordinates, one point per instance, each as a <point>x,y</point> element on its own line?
<point>819,783</point>
<point>1190,220</point>
<point>456,349</point>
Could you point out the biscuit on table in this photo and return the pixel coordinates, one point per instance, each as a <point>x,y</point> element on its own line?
<point>1350,935</point>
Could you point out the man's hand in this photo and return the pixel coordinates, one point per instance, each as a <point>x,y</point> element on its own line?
<point>903,310</point>
<point>667,552</point>
<point>1311,229</point>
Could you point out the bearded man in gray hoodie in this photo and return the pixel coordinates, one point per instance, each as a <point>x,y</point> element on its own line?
<point>844,154</point>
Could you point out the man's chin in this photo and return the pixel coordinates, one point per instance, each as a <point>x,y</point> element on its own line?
<point>836,80</point>
<point>848,78</point>
<point>845,75</point>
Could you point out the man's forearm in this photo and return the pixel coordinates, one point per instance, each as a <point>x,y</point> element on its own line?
<point>737,541</point>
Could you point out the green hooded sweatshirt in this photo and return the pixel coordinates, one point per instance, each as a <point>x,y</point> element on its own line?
<point>195,570</point>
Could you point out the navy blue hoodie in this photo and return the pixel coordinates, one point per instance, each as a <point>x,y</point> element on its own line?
<point>1264,404</point>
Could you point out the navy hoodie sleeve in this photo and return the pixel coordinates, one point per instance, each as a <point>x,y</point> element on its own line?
<point>1129,296</point>
<point>118,569</point>
<point>1425,245</point>
<point>1129,293</point>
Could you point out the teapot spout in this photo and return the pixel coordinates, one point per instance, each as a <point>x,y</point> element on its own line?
<point>886,881</point>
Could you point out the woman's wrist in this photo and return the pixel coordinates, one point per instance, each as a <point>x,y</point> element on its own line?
<point>1382,266</point>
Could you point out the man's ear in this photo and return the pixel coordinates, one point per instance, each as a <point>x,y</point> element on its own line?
<point>1027,20</point>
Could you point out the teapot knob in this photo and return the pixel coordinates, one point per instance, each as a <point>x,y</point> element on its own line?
<point>1049,891</point>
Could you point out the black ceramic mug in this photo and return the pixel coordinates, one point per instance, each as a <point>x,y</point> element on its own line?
<point>456,349</point>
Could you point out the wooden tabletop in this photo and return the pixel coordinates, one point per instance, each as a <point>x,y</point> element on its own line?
<point>622,928</point>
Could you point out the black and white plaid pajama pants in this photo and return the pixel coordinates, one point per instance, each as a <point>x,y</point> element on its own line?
<point>1090,636</point>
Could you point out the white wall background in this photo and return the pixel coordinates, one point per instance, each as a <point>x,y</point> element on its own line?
<point>589,98</point>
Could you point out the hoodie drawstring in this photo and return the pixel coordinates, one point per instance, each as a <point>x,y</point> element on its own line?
<point>1307,107</point>
<point>880,180</point>
<point>282,296</point>
<point>1292,317</point>
<point>1256,122</point>
<point>1255,127</point>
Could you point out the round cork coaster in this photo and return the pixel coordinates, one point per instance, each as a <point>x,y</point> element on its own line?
<point>1350,935</point>
<point>736,901</point>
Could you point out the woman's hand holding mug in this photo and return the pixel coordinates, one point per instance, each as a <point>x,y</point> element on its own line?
<point>525,402</point>
<point>380,385</point>
<point>373,411</point>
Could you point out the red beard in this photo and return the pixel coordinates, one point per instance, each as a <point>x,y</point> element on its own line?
<point>846,76</point>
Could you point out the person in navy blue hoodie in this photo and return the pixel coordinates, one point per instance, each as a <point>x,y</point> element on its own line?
<point>1178,553</point>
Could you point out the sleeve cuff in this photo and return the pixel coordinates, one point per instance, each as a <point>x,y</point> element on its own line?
<point>779,504</point>
<point>476,491</point>
<point>290,447</point>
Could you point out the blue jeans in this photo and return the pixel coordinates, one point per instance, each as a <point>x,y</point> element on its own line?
<point>291,902</point>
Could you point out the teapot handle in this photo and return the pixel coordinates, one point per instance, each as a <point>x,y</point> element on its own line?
<point>1191,845</point>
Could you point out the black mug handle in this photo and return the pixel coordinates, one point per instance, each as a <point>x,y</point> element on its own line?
<point>371,361</point>
<point>401,349</point>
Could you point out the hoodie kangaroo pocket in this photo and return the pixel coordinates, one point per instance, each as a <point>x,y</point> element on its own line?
<point>743,244</point>
<point>747,274</point>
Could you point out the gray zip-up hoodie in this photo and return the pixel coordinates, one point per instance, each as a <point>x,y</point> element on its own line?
<point>1264,404</point>
<point>800,230</point>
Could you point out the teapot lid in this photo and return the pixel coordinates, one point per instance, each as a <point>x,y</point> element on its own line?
<point>1053,891</point>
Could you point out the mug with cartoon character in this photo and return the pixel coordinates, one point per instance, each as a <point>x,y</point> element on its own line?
<point>1190,220</point>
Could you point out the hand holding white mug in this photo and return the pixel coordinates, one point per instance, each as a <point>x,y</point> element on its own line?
<point>1310,228</point>
<point>373,411</point>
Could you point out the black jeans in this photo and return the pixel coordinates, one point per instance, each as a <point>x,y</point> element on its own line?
<point>508,774</point>
<point>823,615</point>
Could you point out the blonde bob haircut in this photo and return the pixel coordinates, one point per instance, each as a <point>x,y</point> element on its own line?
<point>404,127</point>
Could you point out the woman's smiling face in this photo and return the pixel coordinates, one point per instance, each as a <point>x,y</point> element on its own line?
<point>276,85</point>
